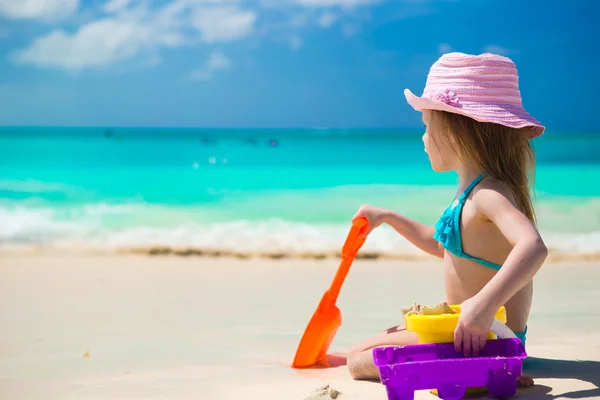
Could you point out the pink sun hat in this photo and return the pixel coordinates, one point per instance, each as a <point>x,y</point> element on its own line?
<point>484,88</point>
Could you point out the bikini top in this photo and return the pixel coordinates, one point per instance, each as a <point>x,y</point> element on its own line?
<point>447,229</point>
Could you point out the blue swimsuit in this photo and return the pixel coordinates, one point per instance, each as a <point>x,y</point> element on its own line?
<point>447,232</point>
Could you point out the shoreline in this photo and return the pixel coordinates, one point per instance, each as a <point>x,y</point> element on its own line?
<point>554,256</point>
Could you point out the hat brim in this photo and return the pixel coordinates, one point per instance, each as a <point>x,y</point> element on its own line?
<point>424,103</point>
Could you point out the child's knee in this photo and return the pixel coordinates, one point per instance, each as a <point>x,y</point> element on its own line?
<point>360,363</point>
<point>355,364</point>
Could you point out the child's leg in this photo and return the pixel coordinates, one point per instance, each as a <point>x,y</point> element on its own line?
<point>524,380</point>
<point>360,356</point>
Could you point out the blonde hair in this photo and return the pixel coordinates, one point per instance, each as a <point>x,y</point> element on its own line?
<point>504,153</point>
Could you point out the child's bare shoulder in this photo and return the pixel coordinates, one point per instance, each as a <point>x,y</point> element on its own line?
<point>492,192</point>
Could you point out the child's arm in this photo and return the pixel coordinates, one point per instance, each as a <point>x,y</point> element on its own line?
<point>526,257</point>
<point>419,234</point>
<point>523,262</point>
<point>415,232</point>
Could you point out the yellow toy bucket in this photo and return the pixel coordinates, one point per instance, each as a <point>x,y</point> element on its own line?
<point>440,328</point>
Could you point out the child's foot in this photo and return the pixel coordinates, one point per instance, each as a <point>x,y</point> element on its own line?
<point>525,381</point>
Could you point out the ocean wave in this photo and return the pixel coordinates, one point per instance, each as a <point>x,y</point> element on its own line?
<point>129,228</point>
<point>33,186</point>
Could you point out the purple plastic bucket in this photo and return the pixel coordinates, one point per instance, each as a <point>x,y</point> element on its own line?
<point>404,369</point>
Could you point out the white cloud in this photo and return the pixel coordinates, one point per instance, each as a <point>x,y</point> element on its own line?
<point>216,61</point>
<point>327,19</point>
<point>444,48</point>
<point>101,42</point>
<point>503,51</point>
<point>46,10</point>
<point>205,2</point>
<point>298,21</point>
<point>223,24</point>
<point>138,31</point>
<point>333,3</point>
<point>295,43</point>
<point>114,6</point>
<point>350,29</point>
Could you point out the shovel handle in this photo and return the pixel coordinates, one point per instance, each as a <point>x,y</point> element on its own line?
<point>501,330</point>
<point>353,243</point>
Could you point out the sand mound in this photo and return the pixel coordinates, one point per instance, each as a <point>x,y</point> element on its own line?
<point>324,392</point>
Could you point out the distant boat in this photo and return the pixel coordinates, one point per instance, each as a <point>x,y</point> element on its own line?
<point>208,140</point>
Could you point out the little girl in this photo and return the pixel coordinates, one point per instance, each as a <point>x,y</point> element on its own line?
<point>475,125</point>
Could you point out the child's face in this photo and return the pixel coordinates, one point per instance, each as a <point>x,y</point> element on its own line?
<point>442,156</point>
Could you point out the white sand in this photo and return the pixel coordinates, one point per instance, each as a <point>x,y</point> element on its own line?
<point>201,328</point>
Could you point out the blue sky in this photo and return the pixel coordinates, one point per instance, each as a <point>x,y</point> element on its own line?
<point>281,63</point>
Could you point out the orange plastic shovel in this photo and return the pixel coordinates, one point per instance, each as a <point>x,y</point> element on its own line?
<point>326,320</point>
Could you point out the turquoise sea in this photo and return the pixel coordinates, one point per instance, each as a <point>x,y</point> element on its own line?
<point>256,190</point>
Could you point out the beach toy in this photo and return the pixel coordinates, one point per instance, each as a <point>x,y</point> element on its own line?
<point>404,369</point>
<point>326,320</point>
<point>439,328</point>
<point>437,323</point>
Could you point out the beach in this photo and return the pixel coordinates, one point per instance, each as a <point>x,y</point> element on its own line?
<point>179,178</point>
<point>160,263</point>
<point>167,327</point>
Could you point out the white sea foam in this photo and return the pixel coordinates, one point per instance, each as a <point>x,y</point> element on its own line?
<point>122,227</point>
<point>33,186</point>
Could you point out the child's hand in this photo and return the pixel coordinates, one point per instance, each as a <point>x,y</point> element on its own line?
<point>474,323</point>
<point>374,215</point>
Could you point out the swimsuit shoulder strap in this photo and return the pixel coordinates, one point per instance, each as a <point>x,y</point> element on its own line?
<point>471,186</point>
